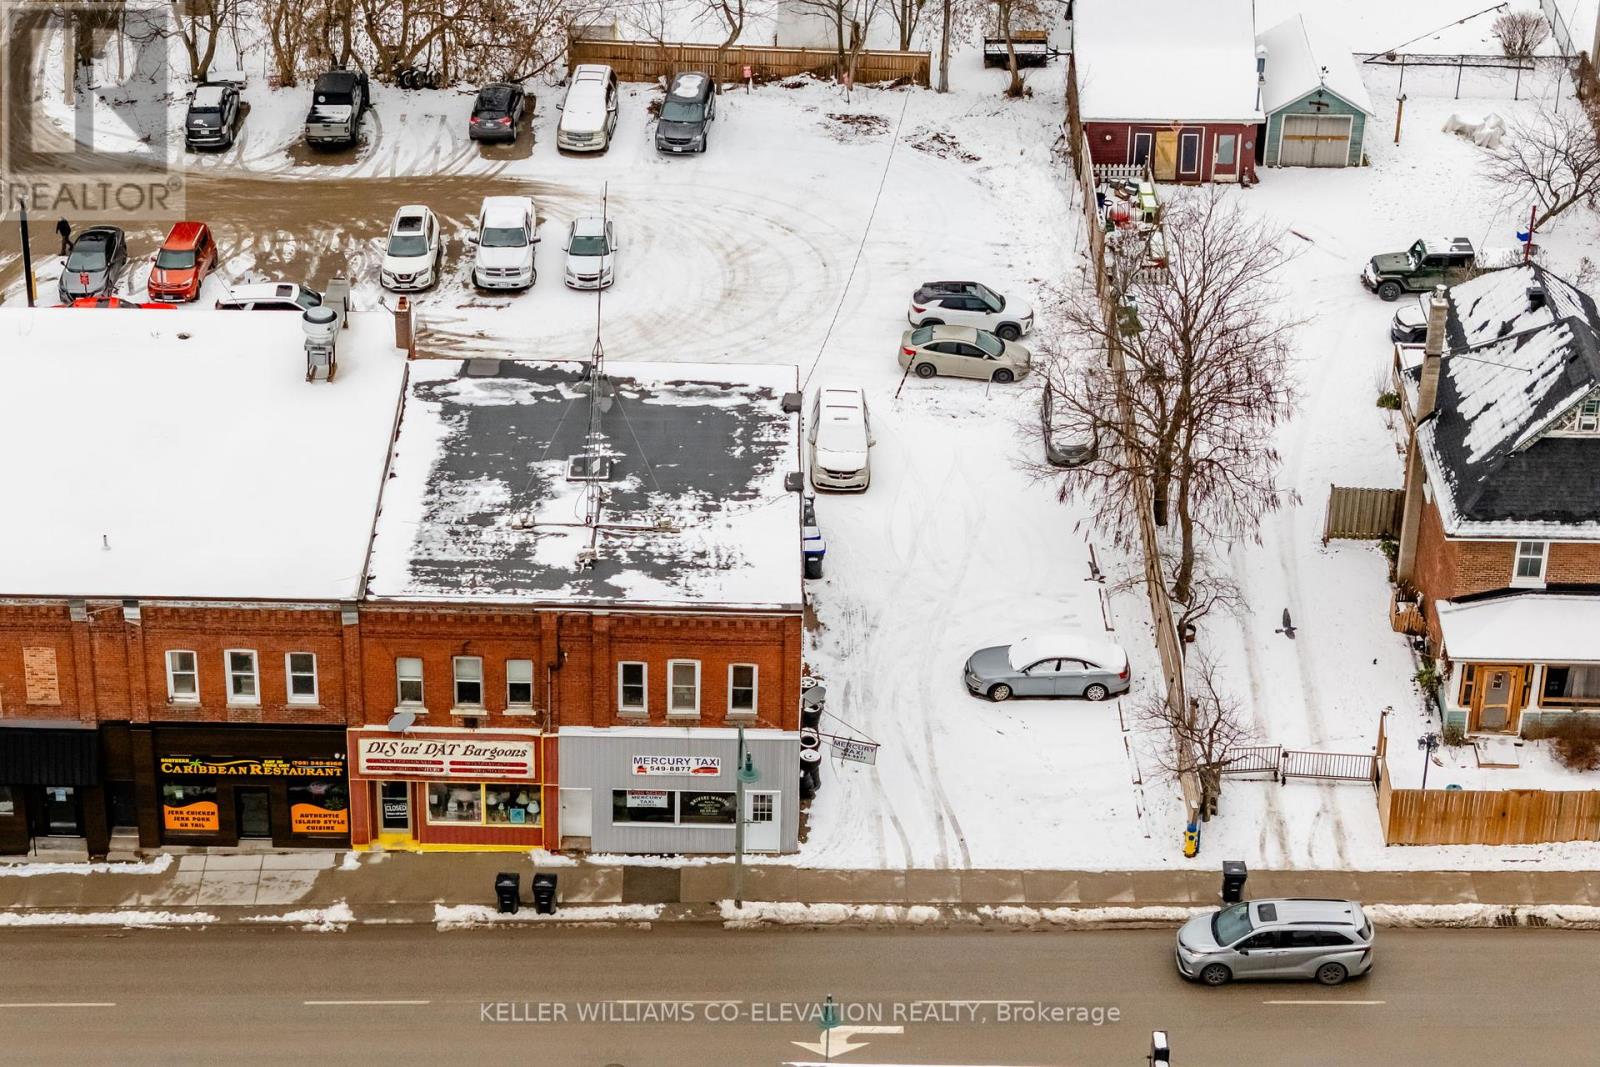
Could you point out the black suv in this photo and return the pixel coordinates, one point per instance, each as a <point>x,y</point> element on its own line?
<point>338,101</point>
<point>690,107</point>
<point>497,114</point>
<point>213,116</point>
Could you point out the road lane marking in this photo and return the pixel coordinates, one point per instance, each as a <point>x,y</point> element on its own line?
<point>359,1003</point>
<point>63,1004</point>
<point>1320,1003</point>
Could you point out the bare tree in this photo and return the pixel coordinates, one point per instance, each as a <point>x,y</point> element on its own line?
<point>850,21</point>
<point>729,16</point>
<point>200,24</point>
<point>1009,15</point>
<point>651,19</point>
<point>907,18</point>
<point>1205,343</point>
<point>1521,33</point>
<point>1204,735</point>
<point>1554,156</point>
<point>944,48</point>
<point>285,25</point>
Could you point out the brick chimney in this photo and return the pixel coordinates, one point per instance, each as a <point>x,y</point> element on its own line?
<point>1427,398</point>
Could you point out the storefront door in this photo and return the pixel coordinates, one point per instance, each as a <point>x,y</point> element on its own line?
<point>59,812</point>
<point>394,809</point>
<point>761,822</point>
<point>254,808</point>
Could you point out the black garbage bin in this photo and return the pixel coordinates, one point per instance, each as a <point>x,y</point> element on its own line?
<point>544,894</point>
<point>1234,876</point>
<point>508,891</point>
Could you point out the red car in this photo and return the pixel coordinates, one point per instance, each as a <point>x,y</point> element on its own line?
<point>116,302</point>
<point>186,257</point>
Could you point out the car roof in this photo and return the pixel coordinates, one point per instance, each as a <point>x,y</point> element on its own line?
<point>953,333</point>
<point>1071,644</point>
<point>836,395</point>
<point>410,218</point>
<point>946,287</point>
<point>337,80</point>
<point>588,71</point>
<point>510,209</point>
<point>1447,246</point>
<point>99,233</point>
<point>263,291</point>
<point>690,83</point>
<point>209,95</point>
<point>183,235</point>
<point>497,90</point>
<point>1292,911</point>
<point>588,226</point>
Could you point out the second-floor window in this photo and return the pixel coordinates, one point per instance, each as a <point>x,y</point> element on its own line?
<point>683,687</point>
<point>631,689</point>
<point>742,689</point>
<point>301,670</point>
<point>469,681</point>
<point>408,680</point>
<point>183,678</point>
<point>1529,569</point>
<point>519,683</point>
<point>243,680</point>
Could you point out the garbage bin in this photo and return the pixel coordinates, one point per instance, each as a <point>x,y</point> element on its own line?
<point>508,890</point>
<point>1234,875</point>
<point>810,772</point>
<point>544,894</point>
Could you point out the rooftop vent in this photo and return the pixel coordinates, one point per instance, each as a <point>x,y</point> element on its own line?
<point>794,481</point>
<point>1536,297</point>
<point>588,467</point>
<point>791,403</point>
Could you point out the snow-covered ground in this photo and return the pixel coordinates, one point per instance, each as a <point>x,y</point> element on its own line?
<point>1421,27</point>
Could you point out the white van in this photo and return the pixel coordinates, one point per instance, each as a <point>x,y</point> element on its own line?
<point>589,111</point>
<point>840,437</point>
<point>507,231</point>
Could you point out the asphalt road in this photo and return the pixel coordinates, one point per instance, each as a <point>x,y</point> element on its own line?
<point>703,997</point>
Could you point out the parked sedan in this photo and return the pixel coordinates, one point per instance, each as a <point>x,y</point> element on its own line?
<point>591,253</point>
<point>1049,665</point>
<point>415,249</point>
<point>95,262</point>
<point>497,113</point>
<point>962,352</point>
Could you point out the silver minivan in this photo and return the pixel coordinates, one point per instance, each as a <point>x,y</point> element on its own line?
<point>1328,940</point>
<point>589,110</point>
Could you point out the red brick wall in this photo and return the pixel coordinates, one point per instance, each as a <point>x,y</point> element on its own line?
<point>39,626</point>
<point>1576,563</point>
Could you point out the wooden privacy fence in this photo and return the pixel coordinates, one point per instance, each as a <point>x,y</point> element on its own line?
<point>644,61</point>
<point>1364,514</point>
<point>1486,816</point>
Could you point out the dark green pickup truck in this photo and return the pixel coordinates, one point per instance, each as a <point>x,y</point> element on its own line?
<point>1427,263</point>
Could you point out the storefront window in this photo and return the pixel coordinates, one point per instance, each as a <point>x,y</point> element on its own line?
<point>450,802</point>
<point>189,807</point>
<point>511,805</point>
<point>319,808</point>
<point>703,808</point>
<point>643,805</point>
<point>468,803</point>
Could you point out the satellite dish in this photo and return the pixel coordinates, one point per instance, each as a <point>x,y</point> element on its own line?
<point>401,721</point>
<point>814,697</point>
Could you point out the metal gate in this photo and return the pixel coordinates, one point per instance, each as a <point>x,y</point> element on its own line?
<point>1333,766</point>
<point>1315,141</point>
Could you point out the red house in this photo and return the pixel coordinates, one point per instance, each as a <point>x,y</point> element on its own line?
<point>1174,82</point>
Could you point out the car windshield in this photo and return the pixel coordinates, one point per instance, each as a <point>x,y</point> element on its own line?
<point>1231,924</point>
<point>175,259</point>
<point>991,345</point>
<point>681,111</point>
<point>88,255</point>
<point>309,298</point>
<point>503,237</point>
<point>408,244</point>
<point>995,301</point>
<point>590,245</point>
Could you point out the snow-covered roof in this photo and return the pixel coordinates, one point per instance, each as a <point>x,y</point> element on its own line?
<point>1066,643</point>
<point>183,454</point>
<point>207,96</point>
<point>1303,56</point>
<point>1525,627</point>
<point>1165,60</point>
<point>693,511</point>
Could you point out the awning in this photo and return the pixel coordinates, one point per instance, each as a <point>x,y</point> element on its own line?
<point>48,753</point>
<point>1526,628</point>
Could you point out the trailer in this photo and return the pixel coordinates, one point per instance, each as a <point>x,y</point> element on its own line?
<point>1031,46</point>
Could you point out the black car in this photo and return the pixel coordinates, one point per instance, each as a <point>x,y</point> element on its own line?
<point>213,116</point>
<point>94,264</point>
<point>338,100</point>
<point>498,112</point>
<point>690,107</point>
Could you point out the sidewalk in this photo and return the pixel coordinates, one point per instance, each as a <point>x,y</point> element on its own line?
<point>259,886</point>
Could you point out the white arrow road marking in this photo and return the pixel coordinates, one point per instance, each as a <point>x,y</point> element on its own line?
<point>839,1042</point>
<point>1320,1003</point>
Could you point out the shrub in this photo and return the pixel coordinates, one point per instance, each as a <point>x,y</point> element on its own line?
<point>1389,400</point>
<point>1453,736</point>
<point>1577,753</point>
<point>1428,678</point>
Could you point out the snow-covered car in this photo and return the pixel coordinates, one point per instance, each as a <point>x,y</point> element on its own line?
<point>415,250</point>
<point>589,110</point>
<point>969,304</point>
<point>840,438</point>
<point>963,352</point>
<point>1065,664</point>
<point>497,113</point>
<point>591,253</point>
<point>1410,324</point>
<point>270,296</point>
<point>505,238</point>
<point>213,116</point>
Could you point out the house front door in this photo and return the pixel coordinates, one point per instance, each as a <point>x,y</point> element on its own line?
<point>1166,161</point>
<point>1500,701</point>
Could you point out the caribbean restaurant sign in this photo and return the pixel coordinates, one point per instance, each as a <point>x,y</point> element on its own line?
<point>331,767</point>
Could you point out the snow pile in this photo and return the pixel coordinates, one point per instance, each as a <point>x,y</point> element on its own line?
<point>1564,916</point>
<point>30,870</point>
<point>352,862</point>
<point>1486,132</point>
<point>1091,918</point>
<point>105,918</point>
<point>765,913</point>
<point>335,918</point>
<point>467,916</point>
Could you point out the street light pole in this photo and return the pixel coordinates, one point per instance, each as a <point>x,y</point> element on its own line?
<point>27,251</point>
<point>746,773</point>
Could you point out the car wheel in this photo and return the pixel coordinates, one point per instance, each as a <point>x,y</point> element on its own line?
<point>1332,973</point>
<point>1095,691</point>
<point>705,142</point>
<point>1004,376</point>
<point>998,693</point>
<point>1009,332</point>
<point>926,370</point>
<point>1389,291</point>
<point>1215,974</point>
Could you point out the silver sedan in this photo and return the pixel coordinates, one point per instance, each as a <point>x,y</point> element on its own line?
<point>963,352</point>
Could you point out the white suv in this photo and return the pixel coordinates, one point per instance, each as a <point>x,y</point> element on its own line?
<point>840,438</point>
<point>589,110</point>
<point>415,249</point>
<point>969,304</point>
<point>507,232</point>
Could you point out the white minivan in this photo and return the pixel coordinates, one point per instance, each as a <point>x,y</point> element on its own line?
<point>840,437</point>
<point>506,234</point>
<point>589,111</point>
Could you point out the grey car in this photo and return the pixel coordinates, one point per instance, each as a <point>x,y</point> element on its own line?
<point>94,264</point>
<point>1049,665</point>
<point>1325,940</point>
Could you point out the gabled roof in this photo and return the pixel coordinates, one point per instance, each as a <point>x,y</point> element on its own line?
<point>1304,56</point>
<point>1165,61</point>
<point>1511,371</point>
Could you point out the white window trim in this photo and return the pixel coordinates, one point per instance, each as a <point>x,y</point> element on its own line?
<point>172,694</point>
<point>1199,145</point>
<point>288,681</point>
<point>418,707</point>
<point>755,692</point>
<point>456,707</point>
<point>1536,581</point>
<point>642,709</point>
<point>681,713</point>
<point>1133,146</point>
<point>519,708</point>
<point>255,672</point>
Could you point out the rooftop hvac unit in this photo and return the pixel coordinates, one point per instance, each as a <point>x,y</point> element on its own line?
<point>321,327</point>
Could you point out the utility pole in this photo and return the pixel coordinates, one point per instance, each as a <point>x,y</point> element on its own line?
<point>944,51</point>
<point>27,251</point>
